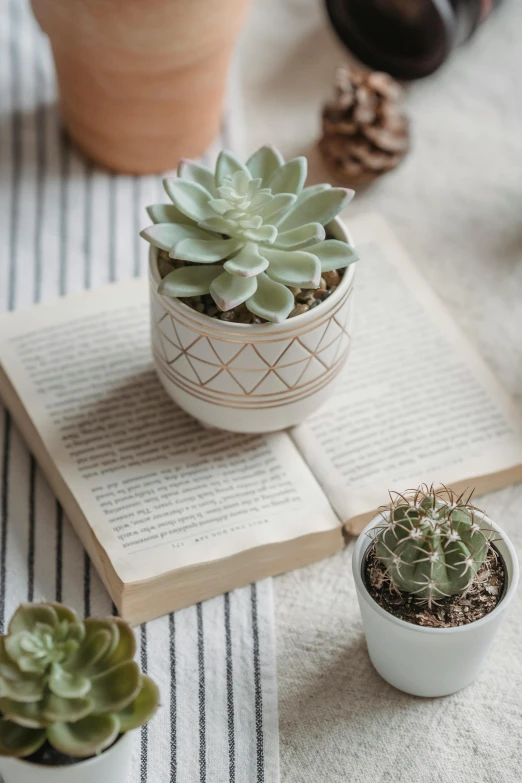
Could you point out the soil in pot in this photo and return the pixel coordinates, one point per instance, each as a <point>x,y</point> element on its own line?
<point>305,299</point>
<point>481,598</point>
<point>50,757</point>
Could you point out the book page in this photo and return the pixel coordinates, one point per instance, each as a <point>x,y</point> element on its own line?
<point>415,403</point>
<point>160,492</point>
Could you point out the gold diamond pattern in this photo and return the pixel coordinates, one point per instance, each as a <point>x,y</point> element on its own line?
<point>253,369</point>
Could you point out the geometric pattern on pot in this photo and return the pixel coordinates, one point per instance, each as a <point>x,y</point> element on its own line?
<point>215,363</point>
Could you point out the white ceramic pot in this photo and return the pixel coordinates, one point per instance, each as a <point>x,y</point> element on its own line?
<point>430,661</point>
<point>251,377</point>
<point>113,766</point>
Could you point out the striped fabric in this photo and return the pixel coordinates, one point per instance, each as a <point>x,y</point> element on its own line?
<point>66,225</point>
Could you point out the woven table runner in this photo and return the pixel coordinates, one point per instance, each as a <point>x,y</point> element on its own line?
<point>67,225</point>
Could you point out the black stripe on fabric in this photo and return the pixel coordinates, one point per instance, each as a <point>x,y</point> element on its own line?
<point>258,693</point>
<point>87,226</point>
<point>16,147</point>
<point>64,209</point>
<point>136,219</point>
<point>201,695</point>
<point>230,693</point>
<point>173,701</point>
<point>112,227</point>
<point>59,552</point>
<point>4,509</point>
<point>41,162</point>
<point>31,532</point>
<point>144,764</point>
<point>86,585</point>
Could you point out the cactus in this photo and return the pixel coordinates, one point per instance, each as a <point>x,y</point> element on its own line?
<point>73,684</point>
<point>431,543</point>
<point>249,232</point>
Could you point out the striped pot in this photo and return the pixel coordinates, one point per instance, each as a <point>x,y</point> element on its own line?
<point>251,377</point>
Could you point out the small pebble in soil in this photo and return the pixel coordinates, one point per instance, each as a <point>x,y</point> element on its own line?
<point>305,299</point>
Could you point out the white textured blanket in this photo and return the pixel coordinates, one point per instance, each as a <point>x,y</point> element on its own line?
<point>67,225</point>
<point>456,204</point>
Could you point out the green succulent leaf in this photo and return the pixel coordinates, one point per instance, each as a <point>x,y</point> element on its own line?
<point>68,685</point>
<point>167,213</point>
<point>247,263</point>
<point>86,737</point>
<point>18,741</point>
<point>201,175</point>
<point>16,647</point>
<point>264,235</point>
<point>293,267</point>
<point>311,190</point>
<point>219,225</point>
<point>27,714</point>
<point>189,281</point>
<point>113,689</point>
<point>23,690</point>
<point>289,178</point>
<point>205,251</point>
<point>333,254</point>
<point>165,235</point>
<point>95,624</point>
<point>271,301</point>
<point>295,238</point>
<point>27,616</point>
<point>320,207</point>
<point>226,166</point>
<point>96,646</point>
<point>229,291</point>
<point>143,707</point>
<point>276,206</point>
<point>56,709</point>
<point>65,614</point>
<point>190,198</point>
<point>126,647</point>
<point>264,163</point>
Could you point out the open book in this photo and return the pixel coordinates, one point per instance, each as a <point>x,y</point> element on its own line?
<point>172,513</point>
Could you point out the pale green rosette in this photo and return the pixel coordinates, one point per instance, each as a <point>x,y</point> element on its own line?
<point>250,232</point>
<point>72,683</point>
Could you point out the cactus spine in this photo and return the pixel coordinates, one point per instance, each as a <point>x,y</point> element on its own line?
<point>431,542</point>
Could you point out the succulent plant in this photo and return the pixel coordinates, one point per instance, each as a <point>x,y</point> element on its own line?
<point>249,232</point>
<point>68,682</point>
<point>431,543</point>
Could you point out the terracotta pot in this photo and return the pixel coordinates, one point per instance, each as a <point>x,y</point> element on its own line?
<point>141,81</point>
<point>251,377</point>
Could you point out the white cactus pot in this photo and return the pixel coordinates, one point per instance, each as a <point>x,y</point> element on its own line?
<point>430,661</point>
<point>113,766</point>
<point>251,377</point>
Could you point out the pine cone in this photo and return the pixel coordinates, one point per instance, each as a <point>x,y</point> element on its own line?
<point>365,132</point>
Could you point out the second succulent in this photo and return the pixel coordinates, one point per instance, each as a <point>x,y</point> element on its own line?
<point>249,232</point>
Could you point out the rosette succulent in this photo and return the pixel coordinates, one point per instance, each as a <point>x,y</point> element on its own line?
<point>248,232</point>
<point>73,684</point>
<point>431,543</point>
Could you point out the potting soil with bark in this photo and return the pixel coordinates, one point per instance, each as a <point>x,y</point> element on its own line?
<point>480,598</point>
<point>305,299</point>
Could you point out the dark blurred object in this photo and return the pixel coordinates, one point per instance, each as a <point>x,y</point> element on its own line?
<point>365,132</point>
<point>407,38</point>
